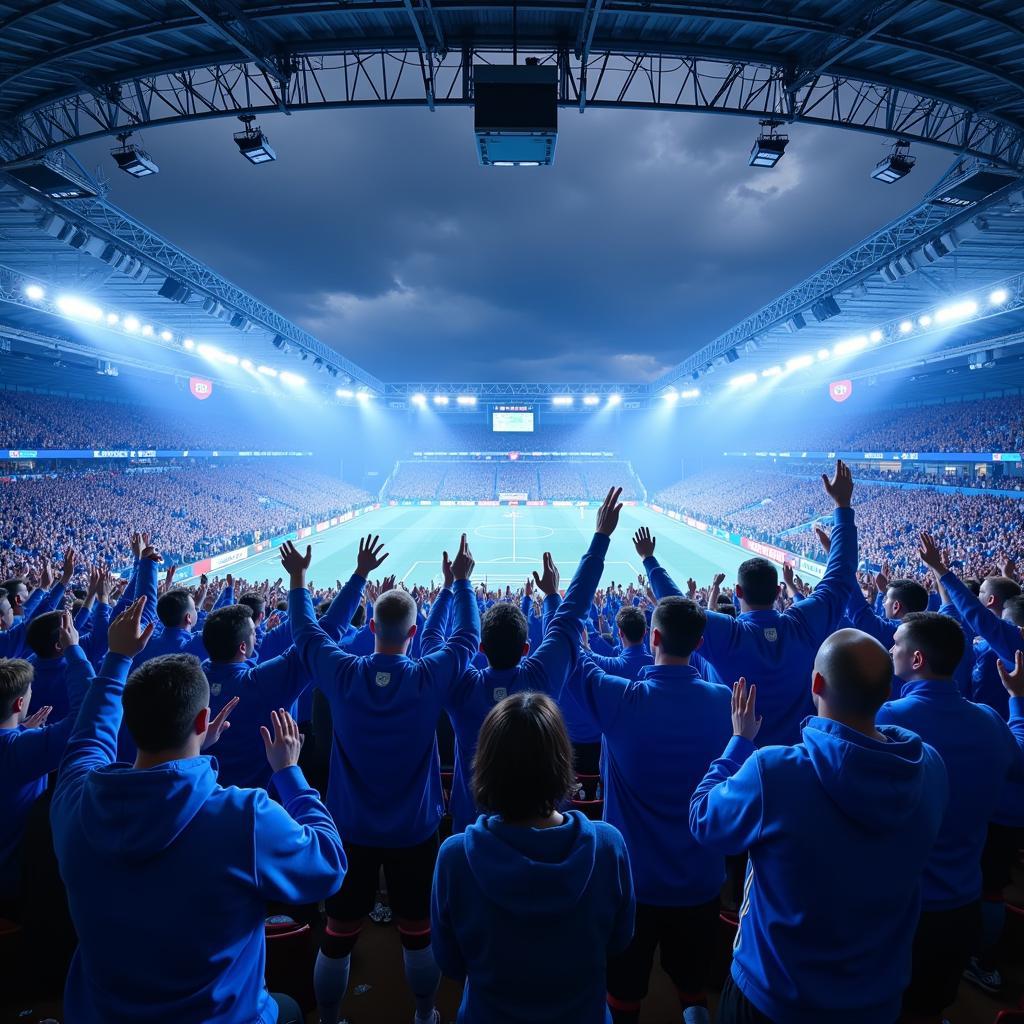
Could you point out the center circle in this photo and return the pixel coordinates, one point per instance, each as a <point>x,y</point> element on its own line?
<point>496,532</point>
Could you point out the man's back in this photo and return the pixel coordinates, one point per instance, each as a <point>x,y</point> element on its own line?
<point>839,828</point>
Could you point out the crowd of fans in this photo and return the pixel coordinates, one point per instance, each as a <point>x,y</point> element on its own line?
<point>855,754</point>
<point>200,510</point>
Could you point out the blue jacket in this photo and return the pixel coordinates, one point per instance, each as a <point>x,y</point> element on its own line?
<point>628,664</point>
<point>12,641</point>
<point>839,828</point>
<point>777,650</point>
<point>979,753</point>
<point>27,756</point>
<point>168,875</point>
<point>172,640</point>
<point>544,670</point>
<point>661,733</point>
<point>385,781</point>
<point>529,916</point>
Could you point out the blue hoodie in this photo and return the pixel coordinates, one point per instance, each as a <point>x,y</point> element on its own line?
<point>168,875</point>
<point>979,753</point>
<point>661,733</point>
<point>528,916</point>
<point>27,756</point>
<point>12,641</point>
<point>777,650</point>
<point>385,781</point>
<point>839,828</point>
<point>544,670</point>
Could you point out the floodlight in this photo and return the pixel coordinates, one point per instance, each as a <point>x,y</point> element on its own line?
<point>147,330</point>
<point>997,298</point>
<point>771,371</point>
<point>419,399</point>
<point>209,351</point>
<point>898,164</point>
<point>247,364</point>
<point>957,311</point>
<point>671,396</point>
<point>293,379</point>
<point>769,145</point>
<point>875,337</point>
<point>824,353</point>
<point>71,305</point>
<point>267,371</point>
<point>743,380</point>
<point>363,396</point>
<point>166,336</point>
<point>690,393</point>
<point>591,400</point>
<point>440,399</point>
<point>34,292</point>
<point>614,399</point>
<point>133,160</point>
<point>189,344</point>
<point>252,143</point>
<point>466,399</point>
<point>906,327</point>
<point>562,400</point>
<point>799,362</point>
<point>924,321</point>
<point>227,357</point>
<point>857,344</point>
<point>112,319</point>
<point>345,393</point>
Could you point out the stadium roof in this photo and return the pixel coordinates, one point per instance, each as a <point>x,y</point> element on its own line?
<point>947,71</point>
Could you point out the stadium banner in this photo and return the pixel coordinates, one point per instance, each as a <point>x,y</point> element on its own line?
<point>133,453</point>
<point>446,503</point>
<point>320,527</point>
<point>487,504</point>
<point>862,456</point>
<point>303,532</point>
<point>228,558</point>
<point>536,504</point>
<point>515,496</point>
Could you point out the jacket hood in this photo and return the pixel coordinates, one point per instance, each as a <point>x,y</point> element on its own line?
<point>878,785</point>
<point>132,815</point>
<point>528,869</point>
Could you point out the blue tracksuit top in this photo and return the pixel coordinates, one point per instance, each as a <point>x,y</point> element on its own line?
<point>628,664</point>
<point>1003,639</point>
<point>168,876</point>
<point>528,916</point>
<point>172,640</point>
<point>544,670</point>
<point>661,733</point>
<point>27,756</point>
<point>777,650</point>
<point>839,828</point>
<point>12,641</point>
<point>979,753</point>
<point>385,782</point>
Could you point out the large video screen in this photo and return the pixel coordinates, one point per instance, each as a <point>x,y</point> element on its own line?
<point>512,419</point>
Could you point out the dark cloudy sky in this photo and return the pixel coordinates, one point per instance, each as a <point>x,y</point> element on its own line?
<point>377,231</point>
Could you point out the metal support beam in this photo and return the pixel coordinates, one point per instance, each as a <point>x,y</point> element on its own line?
<point>584,40</point>
<point>426,55</point>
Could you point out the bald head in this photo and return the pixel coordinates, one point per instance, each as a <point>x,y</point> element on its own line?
<point>852,673</point>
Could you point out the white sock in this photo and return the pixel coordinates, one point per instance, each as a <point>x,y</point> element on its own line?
<point>423,975</point>
<point>330,980</point>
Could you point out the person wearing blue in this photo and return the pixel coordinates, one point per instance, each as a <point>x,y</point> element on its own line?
<point>839,828</point>
<point>511,666</point>
<point>661,733</point>
<point>980,752</point>
<point>1004,637</point>
<point>776,649</point>
<point>29,750</point>
<point>385,777</point>
<point>175,634</point>
<point>529,902</point>
<point>168,873</point>
<point>18,609</point>
<point>632,657</point>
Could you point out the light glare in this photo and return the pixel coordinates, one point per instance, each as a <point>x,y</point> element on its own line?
<point>34,292</point>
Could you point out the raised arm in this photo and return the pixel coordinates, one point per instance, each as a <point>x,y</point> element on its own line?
<point>661,582</point>
<point>450,661</point>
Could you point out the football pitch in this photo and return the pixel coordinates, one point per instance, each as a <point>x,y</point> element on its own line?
<point>507,543</point>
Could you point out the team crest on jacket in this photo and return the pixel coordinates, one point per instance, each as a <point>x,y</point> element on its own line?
<point>383,678</point>
<point>500,693</point>
<point>771,635</point>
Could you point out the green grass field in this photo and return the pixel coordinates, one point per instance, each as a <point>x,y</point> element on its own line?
<point>507,543</point>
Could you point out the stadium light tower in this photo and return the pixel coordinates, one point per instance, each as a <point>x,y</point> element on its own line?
<point>769,146</point>
<point>898,164</point>
<point>132,159</point>
<point>252,143</point>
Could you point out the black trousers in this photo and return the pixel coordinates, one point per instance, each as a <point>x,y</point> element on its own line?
<point>943,942</point>
<point>687,937</point>
<point>735,1008</point>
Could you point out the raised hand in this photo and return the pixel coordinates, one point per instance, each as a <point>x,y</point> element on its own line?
<point>67,635</point>
<point>528,589</point>
<point>691,589</point>
<point>38,718</point>
<point>284,746</point>
<point>1013,682</point>
<point>369,556</point>
<point>137,545</point>
<point>608,513</point>
<point>388,583</point>
<point>462,565</point>
<point>718,580</point>
<point>126,635</point>
<point>169,578</point>
<point>882,578</point>
<point>824,538</point>
<point>840,487</point>
<point>295,563</point>
<point>1007,567</point>
<point>787,575</point>
<point>745,721</point>
<point>929,553</point>
<point>447,576</point>
<point>219,724</point>
<point>547,583</point>
<point>151,553</point>
<point>45,575</point>
<point>274,621</point>
<point>644,544</point>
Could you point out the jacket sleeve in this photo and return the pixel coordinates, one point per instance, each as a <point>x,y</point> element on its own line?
<point>146,586</point>
<point>1002,636</point>
<point>820,612</point>
<point>128,596</point>
<point>625,911</point>
<point>276,641</point>
<point>661,582</point>
<point>599,694</point>
<point>321,658</point>
<point>447,664</point>
<point>727,806</point>
<point>863,618</point>
<point>298,853</point>
<point>437,624</point>
<point>443,940</point>
<point>93,741</point>
<point>225,597</point>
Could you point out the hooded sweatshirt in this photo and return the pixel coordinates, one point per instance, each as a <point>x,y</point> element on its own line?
<point>839,828</point>
<point>528,917</point>
<point>777,650</point>
<point>168,875</point>
<point>980,753</point>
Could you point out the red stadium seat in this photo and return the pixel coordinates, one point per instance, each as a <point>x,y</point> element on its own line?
<point>290,955</point>
<point>591,803</point>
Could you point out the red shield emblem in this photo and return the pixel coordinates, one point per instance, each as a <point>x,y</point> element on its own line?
<point>513,456</point>
<point>200,387</point>
<point>840,390</point>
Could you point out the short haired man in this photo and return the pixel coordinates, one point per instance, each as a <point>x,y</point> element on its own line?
<point>668,716</point>
<point>839,828</point>
<point>17,608</point>
<point>980,752</point>
<point>168,873</point>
